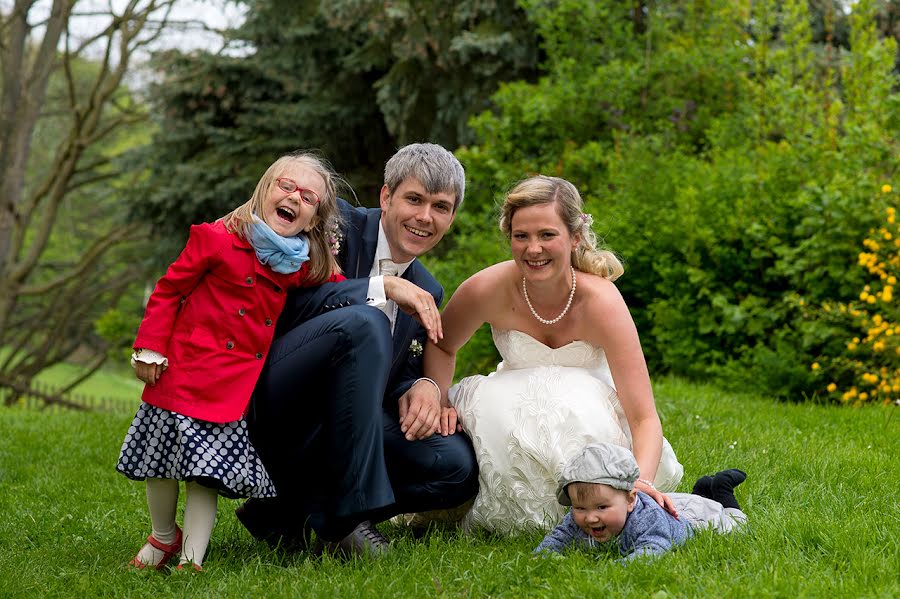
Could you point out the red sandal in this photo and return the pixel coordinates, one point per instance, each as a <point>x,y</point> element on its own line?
<point>169,551</point>
<point>184,567</point>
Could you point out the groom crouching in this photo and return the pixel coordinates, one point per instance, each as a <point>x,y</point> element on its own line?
<point>341,418</point>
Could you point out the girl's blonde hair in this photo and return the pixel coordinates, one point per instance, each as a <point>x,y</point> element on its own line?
<point>586,256</point>
<point>322,262</point>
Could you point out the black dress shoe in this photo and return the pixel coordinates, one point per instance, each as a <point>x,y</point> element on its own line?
<point>365,540</point>
<point>266,524</point>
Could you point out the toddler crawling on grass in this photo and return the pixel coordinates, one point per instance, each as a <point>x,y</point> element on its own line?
<point>599,485</point>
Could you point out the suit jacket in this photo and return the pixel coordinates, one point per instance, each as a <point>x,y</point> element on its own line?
<point>357,253</point>
<point>212,315</point>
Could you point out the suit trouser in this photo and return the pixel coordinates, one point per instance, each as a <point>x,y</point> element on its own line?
<point>335,455</point>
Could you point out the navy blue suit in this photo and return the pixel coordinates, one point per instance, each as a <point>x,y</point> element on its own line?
<point>325,416</point>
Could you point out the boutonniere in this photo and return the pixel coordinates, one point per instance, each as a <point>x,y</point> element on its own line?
<point>415,348</point>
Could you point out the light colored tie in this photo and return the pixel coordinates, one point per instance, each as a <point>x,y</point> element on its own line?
<point>389,268</point>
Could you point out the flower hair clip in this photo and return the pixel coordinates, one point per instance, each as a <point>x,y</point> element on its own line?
<point>334,237</point>
<point>587,220</point>
<point>415,348</point>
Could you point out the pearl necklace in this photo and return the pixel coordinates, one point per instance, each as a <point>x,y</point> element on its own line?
<point>561,314</point>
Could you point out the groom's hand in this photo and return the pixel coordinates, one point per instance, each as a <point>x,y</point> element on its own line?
<point>420,411</point>
<point>416,302</point>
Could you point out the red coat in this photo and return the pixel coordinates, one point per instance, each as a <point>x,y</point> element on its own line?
<point>213,316</point>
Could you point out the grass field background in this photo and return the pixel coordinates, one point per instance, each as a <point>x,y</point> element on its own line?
<point>115,381</point>
<point>821,497</point>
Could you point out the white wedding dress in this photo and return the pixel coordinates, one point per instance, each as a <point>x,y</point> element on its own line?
<point>527,419</point>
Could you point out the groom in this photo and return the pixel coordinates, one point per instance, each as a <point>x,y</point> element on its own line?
<point>341,417</point>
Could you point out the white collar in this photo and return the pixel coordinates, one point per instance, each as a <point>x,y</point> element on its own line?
<point>383,252</point>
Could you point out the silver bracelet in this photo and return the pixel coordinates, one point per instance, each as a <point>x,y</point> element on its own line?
<point>425,378</point>
<point>646,482</point>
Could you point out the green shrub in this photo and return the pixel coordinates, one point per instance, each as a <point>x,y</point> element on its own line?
<point>728,159</point>
<point>867,366</point>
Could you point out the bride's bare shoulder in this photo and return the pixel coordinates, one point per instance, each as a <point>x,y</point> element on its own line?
<point>597,288</point>
<point>489,280</point>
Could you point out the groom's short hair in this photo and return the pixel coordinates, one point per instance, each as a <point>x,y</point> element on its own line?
<point>432,165</point>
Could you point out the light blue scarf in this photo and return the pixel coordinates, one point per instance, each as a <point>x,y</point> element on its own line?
<point>284,255</point>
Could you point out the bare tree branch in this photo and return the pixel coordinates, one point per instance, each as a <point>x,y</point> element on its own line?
<point>100,246</point>
<point>45,311</point>
<point>86,374</point>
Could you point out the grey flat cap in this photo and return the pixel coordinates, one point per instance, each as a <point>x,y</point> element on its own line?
<point>602,463</point>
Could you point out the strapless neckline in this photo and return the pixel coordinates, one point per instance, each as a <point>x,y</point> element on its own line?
<point>496,332</point>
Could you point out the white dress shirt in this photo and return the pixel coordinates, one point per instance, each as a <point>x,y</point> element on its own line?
<point>376,296</point>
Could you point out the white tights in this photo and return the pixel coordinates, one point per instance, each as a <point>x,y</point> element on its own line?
<point>199,518</point>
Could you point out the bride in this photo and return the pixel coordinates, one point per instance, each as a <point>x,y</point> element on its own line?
<point>573,371</point>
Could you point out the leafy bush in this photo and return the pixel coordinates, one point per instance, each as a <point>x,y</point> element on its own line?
<point>867,367</point>
<point>726,157</point>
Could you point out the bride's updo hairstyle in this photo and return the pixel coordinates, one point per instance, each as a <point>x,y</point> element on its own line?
<point>540,189</point>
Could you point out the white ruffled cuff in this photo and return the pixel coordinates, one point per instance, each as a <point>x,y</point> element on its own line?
<point>148,356</point>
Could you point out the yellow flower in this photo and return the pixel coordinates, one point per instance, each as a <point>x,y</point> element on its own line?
<point>815,366</point>
<point>852,346</point>
<point>886,188</point>
<point>892,280</point>
<point>863,396</point>
<point>831,387</point>
<point>878,346</point>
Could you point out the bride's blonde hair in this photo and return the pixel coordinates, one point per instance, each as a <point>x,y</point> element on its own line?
<point>586,256</point>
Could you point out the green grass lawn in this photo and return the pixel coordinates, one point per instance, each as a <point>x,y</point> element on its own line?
<point>117,383</point>
<point>113,381</point>
<point>821,497</point>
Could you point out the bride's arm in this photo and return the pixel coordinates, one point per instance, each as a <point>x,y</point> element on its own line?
<point>464,313</point>
<point>611,322</point>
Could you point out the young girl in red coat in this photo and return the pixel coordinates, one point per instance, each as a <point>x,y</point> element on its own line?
<point>202,344</point>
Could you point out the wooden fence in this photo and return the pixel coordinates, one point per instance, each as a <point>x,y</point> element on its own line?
<point>41,396</point>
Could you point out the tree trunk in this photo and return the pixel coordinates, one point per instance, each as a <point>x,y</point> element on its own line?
<point>43,311</point>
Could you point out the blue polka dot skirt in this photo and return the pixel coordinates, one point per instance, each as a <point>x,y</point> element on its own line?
<point>163,444</point>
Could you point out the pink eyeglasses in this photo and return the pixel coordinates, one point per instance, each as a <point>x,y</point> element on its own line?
<point>290,186</point>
